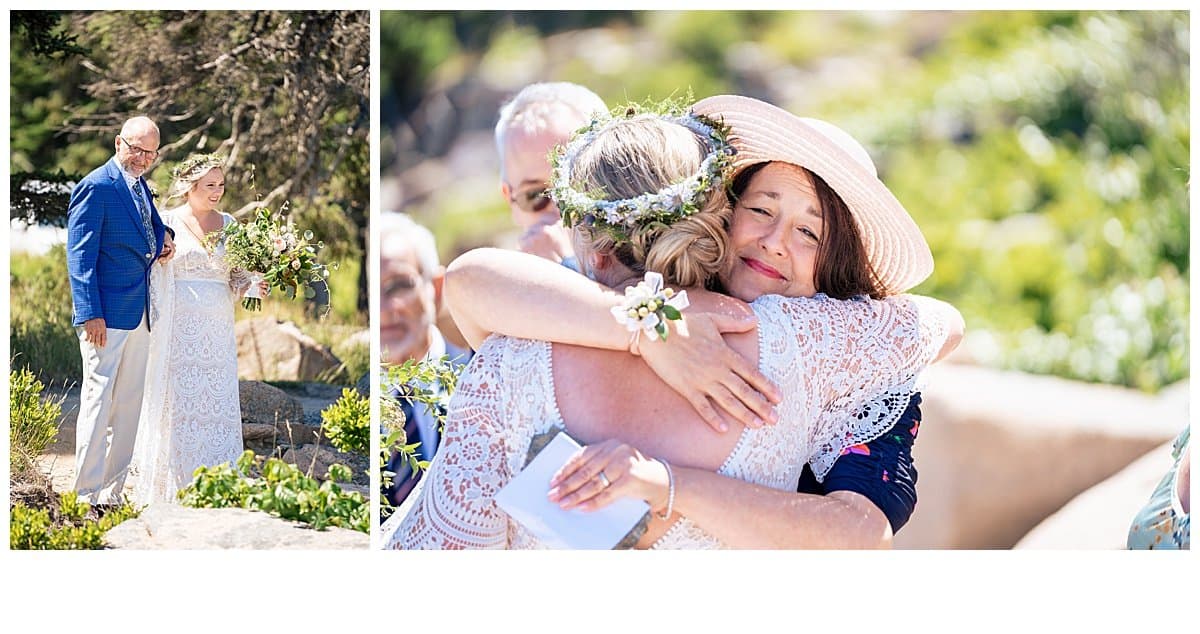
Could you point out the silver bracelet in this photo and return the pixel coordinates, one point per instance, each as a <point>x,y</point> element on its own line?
<point>670,490</point>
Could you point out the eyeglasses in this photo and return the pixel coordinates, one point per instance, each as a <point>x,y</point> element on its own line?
<point>401,284</point>
<point>139,151</point>
<point>533,201</point>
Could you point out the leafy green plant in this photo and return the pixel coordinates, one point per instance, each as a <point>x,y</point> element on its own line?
<point>418,379</point>
<point>32,422</point>
<point>347,422</point>
<point>280,489</point>
<point>72,528</point>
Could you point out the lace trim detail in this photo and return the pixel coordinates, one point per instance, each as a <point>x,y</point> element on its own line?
<point>856,363</point>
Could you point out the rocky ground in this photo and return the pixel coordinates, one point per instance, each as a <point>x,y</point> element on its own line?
<point>276,421</point>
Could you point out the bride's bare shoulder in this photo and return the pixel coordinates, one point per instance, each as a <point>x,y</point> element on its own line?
<point>711,302</point>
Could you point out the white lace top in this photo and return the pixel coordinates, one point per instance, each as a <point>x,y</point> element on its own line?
<point>846,369</point>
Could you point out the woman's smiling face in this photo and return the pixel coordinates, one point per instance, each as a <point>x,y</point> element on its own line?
<point>774,236</point>
<point>206,193</point>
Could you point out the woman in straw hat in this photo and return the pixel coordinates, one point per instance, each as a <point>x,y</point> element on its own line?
<point>645,194</point>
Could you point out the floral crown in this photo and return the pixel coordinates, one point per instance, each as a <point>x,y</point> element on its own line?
<point>196,162</point>
<point>669,204</point>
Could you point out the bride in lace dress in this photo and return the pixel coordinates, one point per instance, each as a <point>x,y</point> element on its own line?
<point>191,414</point>
<point>832,359</point>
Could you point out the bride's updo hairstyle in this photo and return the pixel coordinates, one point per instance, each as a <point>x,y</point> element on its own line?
<point>192,169</point>
<point>639,157</point>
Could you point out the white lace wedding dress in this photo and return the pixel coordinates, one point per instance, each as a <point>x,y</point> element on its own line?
<point>191,414</point>
<point>846,369</point>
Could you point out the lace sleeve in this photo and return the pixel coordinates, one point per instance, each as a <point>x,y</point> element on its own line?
<point>859,359</point>
<point>455,508</point>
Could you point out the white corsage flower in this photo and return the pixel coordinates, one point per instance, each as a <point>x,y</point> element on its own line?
<point>648,306</point>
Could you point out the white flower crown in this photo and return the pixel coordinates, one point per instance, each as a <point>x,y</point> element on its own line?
<point>675,201</point>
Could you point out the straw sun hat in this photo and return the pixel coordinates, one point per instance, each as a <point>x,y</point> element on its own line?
<point>762,132</point>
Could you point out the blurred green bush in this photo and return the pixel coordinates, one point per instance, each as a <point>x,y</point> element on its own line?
<point>1048,166</point>
<point>41,337</point>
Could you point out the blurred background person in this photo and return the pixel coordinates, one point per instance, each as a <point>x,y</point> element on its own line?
<point>1165,522</point>
<point>410,294</point>
<point>538,118</point>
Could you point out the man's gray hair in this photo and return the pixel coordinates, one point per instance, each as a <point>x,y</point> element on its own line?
<point>537,104</point>
<point>418,237</point>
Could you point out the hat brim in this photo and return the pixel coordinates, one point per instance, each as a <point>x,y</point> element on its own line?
<point>761,132</point>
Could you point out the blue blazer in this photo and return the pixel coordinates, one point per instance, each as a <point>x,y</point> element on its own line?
<point>108,255</point>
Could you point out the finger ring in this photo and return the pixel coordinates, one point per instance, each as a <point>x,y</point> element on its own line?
<point>603,480</point>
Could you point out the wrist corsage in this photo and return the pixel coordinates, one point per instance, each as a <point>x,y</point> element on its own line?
<point>648,307</point>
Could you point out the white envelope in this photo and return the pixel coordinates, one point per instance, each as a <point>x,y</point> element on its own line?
<point>524,499</point>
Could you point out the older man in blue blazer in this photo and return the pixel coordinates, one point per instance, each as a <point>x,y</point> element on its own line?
<point>114,236</point>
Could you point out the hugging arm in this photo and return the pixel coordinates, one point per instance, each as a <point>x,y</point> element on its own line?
<point>876,348</point>
<point>521,295</point>
<point>868,494</point>
<point>881,470</point>
<point>896,340</point>
<point>739,513</point>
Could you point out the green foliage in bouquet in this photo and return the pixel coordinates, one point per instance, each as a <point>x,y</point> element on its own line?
<point>347,422</point>
<point>281,489</point>
<point>70,529</point>
<point>32,422</point>
<point>286,256</point>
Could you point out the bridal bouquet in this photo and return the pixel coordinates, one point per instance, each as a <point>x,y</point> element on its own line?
<point>274,250</point>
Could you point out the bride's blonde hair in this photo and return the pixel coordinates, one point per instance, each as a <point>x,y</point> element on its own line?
<point>192,169</point>
<point>644,154</point>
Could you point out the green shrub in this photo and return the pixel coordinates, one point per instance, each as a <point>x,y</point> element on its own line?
<point>281,490</point>
<point>41,334</point>
<point>33,529</point>
<point>347,422</point>
<point>32,422</point>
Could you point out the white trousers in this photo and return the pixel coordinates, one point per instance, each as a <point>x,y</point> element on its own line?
<point>110,403</point>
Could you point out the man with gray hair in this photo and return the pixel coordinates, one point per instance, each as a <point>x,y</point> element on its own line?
<point>538,118</point>
<point>410,294</point>
<point>114,236</point>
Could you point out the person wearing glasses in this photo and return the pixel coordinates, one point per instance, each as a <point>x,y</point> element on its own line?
<point>114,236</point>
<point>538,118</point>
<point>410,294</point>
